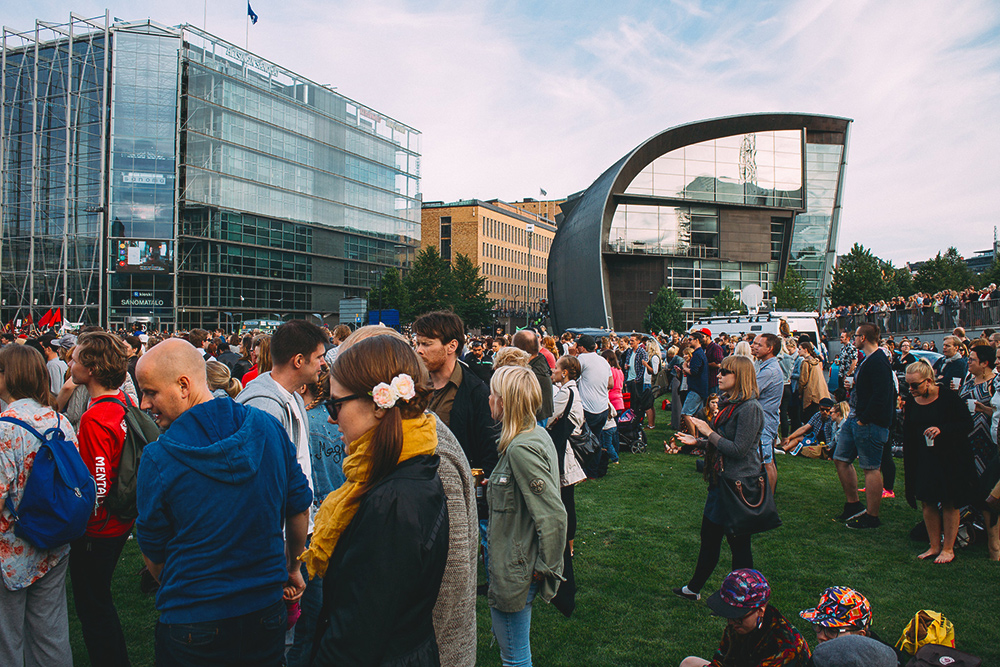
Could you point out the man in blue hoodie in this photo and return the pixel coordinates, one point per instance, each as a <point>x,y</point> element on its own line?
<point>215,493</point>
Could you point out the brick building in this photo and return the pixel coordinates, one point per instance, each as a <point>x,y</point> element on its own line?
<point>495,235</point>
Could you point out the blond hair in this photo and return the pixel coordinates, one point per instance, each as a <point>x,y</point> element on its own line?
<point>219,377</point>
<point>746,379</point>
<point>921,369</point>
<point>510,356</point>
<point>521,396</point>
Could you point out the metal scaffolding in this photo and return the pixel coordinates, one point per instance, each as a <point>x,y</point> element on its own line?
<point>53,154</point>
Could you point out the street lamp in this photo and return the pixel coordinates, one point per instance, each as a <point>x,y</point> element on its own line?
<point>527,299</point>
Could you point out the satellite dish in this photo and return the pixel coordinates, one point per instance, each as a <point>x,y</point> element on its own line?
<point>751,297</point>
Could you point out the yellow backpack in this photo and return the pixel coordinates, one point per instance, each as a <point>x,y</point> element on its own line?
<point>927,627</point>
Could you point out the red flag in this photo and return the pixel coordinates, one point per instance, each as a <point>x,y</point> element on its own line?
<point>46,318</point>
<point>56,318</point>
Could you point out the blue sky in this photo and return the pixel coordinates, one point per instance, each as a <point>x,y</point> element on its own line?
<point>513,96</point>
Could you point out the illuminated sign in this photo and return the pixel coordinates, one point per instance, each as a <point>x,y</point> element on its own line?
<point>143,256</point>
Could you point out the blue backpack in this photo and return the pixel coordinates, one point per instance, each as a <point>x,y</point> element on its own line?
<point>59,494</point>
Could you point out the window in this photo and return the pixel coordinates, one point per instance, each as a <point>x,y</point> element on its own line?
<point>445,228</point>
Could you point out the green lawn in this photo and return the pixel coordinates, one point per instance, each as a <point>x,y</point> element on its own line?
<point>638,538</point>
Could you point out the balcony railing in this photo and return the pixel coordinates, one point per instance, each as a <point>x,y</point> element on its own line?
<point>677,250</point>
<point>971,316</point>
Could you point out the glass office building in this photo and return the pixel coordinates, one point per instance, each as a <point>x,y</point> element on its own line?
<point>699,208</point>
<point>163,174</point>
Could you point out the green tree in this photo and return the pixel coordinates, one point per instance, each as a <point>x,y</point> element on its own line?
<point>390,291</point>
<point>991,276</point>
<point>792,294</point>
<point>947,271</point>
<point>858,278</point>
<point>471,299</point>
<point>665,313</point>
<point>724,302</point>
<point>428,284</point>
<point>900,280</point>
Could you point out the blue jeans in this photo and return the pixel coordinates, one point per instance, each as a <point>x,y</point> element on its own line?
<point>864,443</point>
<point>693,403</point>
<point>256,639</point>
<point>513,633</point>
<point>609,436</point>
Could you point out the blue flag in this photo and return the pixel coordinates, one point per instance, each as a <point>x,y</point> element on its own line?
<point>253,17</point>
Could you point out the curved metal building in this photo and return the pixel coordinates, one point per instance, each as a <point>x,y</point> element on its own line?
<point>699,207</point>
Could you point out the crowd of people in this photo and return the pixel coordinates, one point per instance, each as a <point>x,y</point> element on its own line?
<point>318,497</point>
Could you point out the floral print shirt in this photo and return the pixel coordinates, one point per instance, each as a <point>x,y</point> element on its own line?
<point>21,563</point>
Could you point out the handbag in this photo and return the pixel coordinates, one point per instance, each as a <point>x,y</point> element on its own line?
<point>586,443</point>
<point>747,503</point>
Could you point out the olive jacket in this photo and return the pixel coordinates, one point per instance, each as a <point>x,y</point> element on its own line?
<point>527,528</point>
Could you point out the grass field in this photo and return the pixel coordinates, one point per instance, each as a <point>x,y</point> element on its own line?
<point>638,538</point>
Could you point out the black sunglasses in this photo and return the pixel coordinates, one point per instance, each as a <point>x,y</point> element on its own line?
<point>725,371</point>
<point>333,404</point>
<point>914,385</point>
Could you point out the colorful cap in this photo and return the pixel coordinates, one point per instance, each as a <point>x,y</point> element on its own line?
<point>742,592</point>
<point>840,607</point>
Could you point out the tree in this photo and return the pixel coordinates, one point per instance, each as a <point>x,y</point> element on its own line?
<point>792,294</point>
<point>724,302</point>
<point>858,278</point>
<point>947,271</point>
<point>665,313</point>
<point>389,292</point>
<point>992,275</point>
<point>428,284</point>
<point>471,299</point>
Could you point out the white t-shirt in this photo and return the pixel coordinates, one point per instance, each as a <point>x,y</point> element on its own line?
<point>593,382</point>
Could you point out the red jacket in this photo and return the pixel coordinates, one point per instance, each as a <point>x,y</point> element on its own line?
<point>102,435</point>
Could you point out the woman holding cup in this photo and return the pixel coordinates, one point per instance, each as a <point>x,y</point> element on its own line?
<point>980,394</point>
<point>937,458</point>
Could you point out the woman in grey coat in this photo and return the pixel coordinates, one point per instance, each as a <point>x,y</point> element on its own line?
<point>732,450</point>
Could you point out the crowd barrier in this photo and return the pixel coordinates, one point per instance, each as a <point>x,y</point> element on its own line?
<point>973,315</point>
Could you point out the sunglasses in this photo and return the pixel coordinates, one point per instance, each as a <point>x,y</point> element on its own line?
<point>916,385</point>
<point>333,404</point>
<point>725,371</point>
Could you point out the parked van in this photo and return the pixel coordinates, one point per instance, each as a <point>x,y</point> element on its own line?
<point>799,322</point>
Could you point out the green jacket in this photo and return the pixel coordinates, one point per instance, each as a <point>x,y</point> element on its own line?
<point>527,529</point>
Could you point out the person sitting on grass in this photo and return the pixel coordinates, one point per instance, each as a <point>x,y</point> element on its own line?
<point>841,612</point>
<point>756,633</point>
<point>818,430</point>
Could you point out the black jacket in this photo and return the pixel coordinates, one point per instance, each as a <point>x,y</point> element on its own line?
<point>230,359</point>
<point>875,392</point>
<point>472,423</point>
<point>543,374</point>
<point>384,575</point>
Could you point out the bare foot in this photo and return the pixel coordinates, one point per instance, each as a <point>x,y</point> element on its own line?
<point>930,553</point>
<point>945,557</point>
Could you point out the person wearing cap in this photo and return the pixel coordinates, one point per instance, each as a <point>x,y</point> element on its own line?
<point>756,633</point>
<point>714,353</point>
<point>820,427</point>
<point>844,612</point>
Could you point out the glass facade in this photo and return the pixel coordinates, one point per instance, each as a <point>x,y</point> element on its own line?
<point>51,136</point>
<point>812,229</point>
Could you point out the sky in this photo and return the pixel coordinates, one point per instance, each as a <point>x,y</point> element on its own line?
<point>513,97</point>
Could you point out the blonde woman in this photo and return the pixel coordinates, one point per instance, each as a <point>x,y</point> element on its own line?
<point>732,450</point>
<point>527,527</point>
<point>743,350</point>
<point>653,365</point>
<point>220,381</point>
<point>510,356</point>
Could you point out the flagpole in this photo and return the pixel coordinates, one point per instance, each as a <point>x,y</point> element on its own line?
<point>246,43</point>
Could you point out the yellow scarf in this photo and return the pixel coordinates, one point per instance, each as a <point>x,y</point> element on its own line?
<point>339,507</point>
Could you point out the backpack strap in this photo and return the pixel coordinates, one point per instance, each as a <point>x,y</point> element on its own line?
<point>9,499</point>
<point>27,427</point>
<point>114,399</point>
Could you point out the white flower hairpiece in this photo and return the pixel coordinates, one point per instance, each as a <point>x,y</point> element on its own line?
<point>401,387</point>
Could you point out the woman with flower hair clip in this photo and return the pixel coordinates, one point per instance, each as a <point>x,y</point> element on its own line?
<point>381,540</point>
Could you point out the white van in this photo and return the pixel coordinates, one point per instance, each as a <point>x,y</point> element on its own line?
<point>799,322</point>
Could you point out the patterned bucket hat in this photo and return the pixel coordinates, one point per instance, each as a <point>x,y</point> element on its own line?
<point>840,607</point>
<point>742,592</point>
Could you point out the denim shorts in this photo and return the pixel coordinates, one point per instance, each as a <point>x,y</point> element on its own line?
<point>864,443</point>
<point>692,403</point>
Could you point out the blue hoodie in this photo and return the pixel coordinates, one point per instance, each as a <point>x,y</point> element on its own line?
<point>213,495</point>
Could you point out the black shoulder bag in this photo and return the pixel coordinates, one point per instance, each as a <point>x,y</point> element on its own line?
<point>747,503</point>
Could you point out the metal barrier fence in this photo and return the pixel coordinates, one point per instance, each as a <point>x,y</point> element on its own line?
<point>972,315</point>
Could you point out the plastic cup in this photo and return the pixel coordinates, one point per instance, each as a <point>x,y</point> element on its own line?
<point>956,383</point>
<point>972,405</point>
<point>848,382</point>
<point>929,440</point>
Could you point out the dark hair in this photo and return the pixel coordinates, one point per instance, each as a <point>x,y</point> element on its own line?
<point>104,355</point>
<point>24,374</point>
<point>246,344</point>
<point>987,354</point>
<point>197,337</point>
<point>133,342</point>
<point>444,325</point>
<point>870,331</point>
<point>527,341</point>
<point>612,358</point>
<point>341,332</point>
<point>359,369</point>
<point>773,342</point>
<point>571,365</point>
<point>293,338</point>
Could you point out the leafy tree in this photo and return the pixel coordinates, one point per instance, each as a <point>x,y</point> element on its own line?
<point>792,294</point>
<point>665,313</point>
<point>858,279</point>
<point>428,284</point>
<point>991,276</point>
<point>390,292</point>
<point>724,302</point>
<point>947,271</point>
<point>472,302</point>
<point>899,280</point>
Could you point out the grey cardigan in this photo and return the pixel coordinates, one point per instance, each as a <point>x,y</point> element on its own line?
<point>738,440</point>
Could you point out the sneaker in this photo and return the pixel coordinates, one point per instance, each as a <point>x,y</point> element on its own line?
<point>687,594</point>
<point>888,494</point>
<point>851,510</point>
<point>865,520</point>
<point>779,450</point>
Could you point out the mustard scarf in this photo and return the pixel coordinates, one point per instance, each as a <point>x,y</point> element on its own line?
<point>339,507</point>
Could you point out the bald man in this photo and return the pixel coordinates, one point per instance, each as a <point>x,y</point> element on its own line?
<point>214,493</point>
